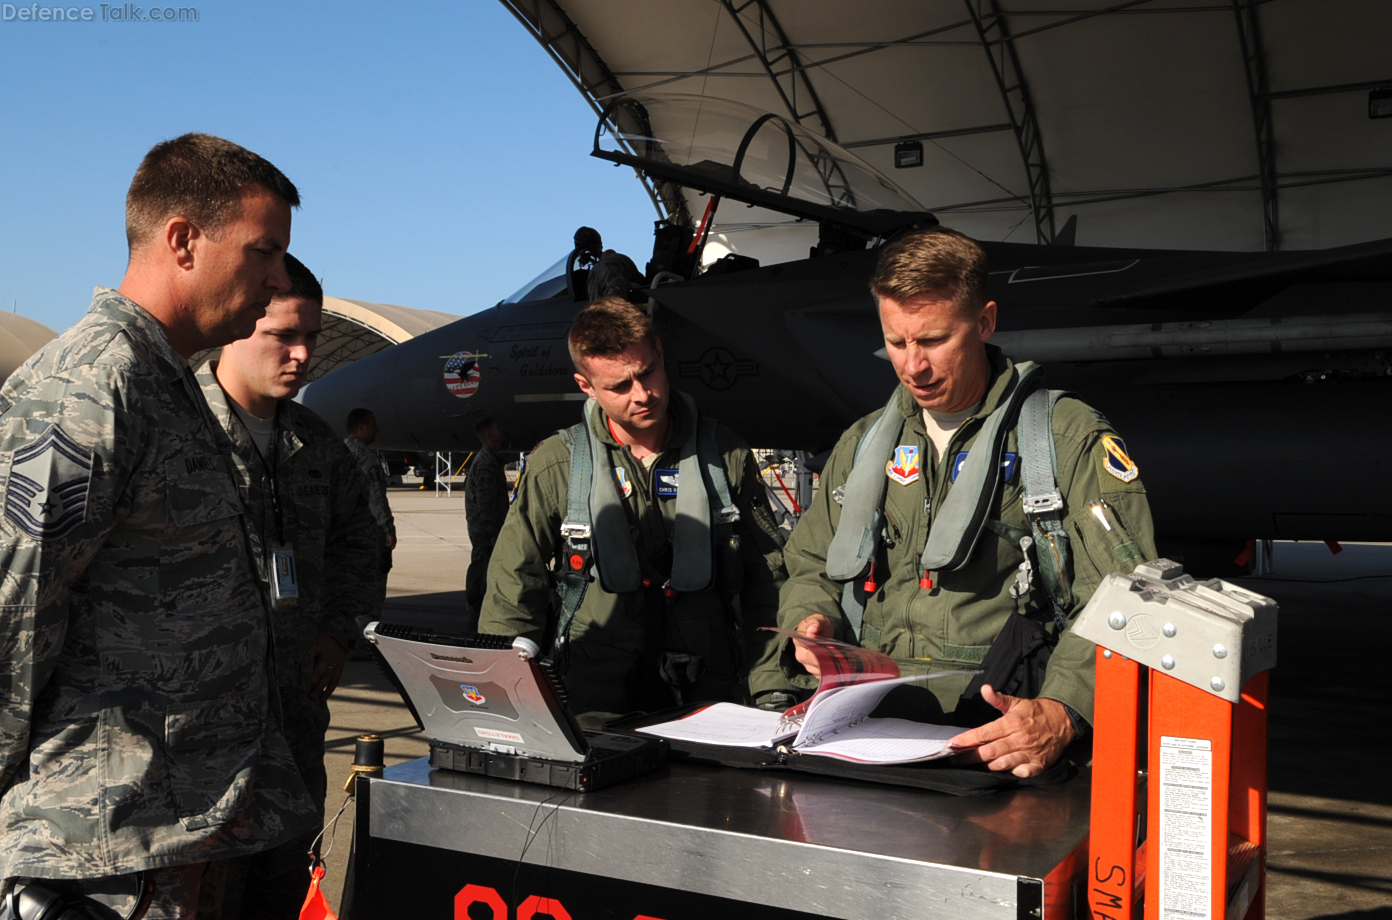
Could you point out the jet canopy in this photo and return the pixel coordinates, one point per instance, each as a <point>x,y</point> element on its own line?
<point>737,151</point>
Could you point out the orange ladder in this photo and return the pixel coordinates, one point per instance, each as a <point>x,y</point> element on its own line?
<point>1179,749</point>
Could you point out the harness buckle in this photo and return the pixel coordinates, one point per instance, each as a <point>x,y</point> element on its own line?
<point>1024,575</point>
<point>728,515</point>
<point>574,532</point>
<point>1043,502</point>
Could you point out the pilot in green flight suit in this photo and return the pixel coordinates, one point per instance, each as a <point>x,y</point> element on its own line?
<point>931,292</point>
<point>662,614</point>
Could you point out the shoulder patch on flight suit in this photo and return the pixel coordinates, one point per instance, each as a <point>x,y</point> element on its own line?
<point>46,491</point>
<point>904,466</point>
<point>1114,460</point>
<point>625,486</point>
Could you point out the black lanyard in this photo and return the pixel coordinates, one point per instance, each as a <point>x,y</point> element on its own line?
<point>272,465</point>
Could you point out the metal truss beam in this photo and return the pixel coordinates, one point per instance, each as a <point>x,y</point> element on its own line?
<point>1245,184</point>
<point>1254,66</point>
<point>562,40</point>
<point>929,135</point>
<point>999,46</point>
<point>772,54</point>
<point>1329,90</point>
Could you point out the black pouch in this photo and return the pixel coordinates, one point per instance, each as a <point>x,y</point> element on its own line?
<point>1014,665</point>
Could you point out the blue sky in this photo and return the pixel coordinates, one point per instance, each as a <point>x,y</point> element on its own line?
<point>442,156</point>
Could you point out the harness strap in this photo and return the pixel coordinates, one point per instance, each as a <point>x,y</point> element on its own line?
<point>862,505</point>
<point>598,540</point>
<point>611,535</point>
<point>573,578</point>
<point>692,564</point>
<point>1043,501</point>
<point>960,518</point>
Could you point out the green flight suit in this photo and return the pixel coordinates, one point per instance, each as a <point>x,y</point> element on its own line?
<point>952,625</point>
<point>617,640</point>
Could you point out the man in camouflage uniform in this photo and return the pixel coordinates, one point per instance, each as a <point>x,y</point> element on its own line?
<point>931,292</point>
<point>485,507</point>
<point>649,648</point>
<point>362,431</point>
<point>138,729</point>
<point>307,504</point>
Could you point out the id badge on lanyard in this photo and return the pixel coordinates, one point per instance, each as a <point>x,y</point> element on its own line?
<point>285,582</point>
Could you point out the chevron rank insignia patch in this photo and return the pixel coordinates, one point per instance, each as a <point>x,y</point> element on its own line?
<point>46,493</point>
<point>1115,461</point>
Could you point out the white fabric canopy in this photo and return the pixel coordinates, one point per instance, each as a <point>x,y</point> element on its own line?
<point>1157,123</point>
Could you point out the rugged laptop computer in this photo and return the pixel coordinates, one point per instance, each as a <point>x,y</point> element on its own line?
<point>492,706</point>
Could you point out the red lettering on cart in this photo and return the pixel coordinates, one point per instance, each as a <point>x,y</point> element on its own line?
<point>538,905</point>
<point>474,894</point>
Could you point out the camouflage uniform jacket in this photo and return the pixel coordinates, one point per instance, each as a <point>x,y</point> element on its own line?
<point>376,474</point>
<point>485,497</point>
<point>324,516</point>
<point>137,722</point>
<point>952,626</point>
<point>608,632</point>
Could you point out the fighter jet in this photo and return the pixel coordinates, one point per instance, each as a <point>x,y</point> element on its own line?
<point>1254,389</point>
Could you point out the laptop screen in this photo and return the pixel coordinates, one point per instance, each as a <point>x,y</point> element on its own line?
<point>484,692</point>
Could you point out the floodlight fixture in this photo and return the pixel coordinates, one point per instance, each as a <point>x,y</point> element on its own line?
<point>1380,102</point>
<point>908,154</point>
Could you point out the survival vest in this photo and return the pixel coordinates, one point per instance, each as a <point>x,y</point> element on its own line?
<point>597,542</point>
<point>960,518</point>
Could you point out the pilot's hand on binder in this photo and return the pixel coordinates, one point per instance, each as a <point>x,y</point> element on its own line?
<point>814,627</point>
<point>1028,737</point>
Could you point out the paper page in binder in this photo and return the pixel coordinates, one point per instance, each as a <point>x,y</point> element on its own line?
<point>833,710</point>
<point>724,723</point>
<point>886,741</point>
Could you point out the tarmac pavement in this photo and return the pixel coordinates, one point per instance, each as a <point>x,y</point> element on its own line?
<point>1330,801</point>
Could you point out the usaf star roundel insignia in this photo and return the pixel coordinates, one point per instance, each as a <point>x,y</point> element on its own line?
<point>903,467</point>
<point>1116,461</point>
<point>46,495</point>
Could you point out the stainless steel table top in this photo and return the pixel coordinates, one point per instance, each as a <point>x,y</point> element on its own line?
<point>829,847</point>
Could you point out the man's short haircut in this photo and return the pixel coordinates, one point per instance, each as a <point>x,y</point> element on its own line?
<point>932,263</point>
<point>484,424</point>
<point>201,178</point>
<point>357,417</point>
<point>303,284</point>
<point>607,327</point>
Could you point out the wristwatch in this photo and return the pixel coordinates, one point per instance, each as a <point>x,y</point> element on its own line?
<point>1080,725</point>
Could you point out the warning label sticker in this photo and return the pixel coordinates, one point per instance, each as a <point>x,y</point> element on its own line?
<point>1186,828</point>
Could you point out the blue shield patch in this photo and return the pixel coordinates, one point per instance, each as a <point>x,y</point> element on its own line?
<point>621,477</point>
<point>46,494</point>
<point>1009,462</point>
<point>666,483</point>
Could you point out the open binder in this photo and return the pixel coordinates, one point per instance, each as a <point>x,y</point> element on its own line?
<point>832,734</point>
